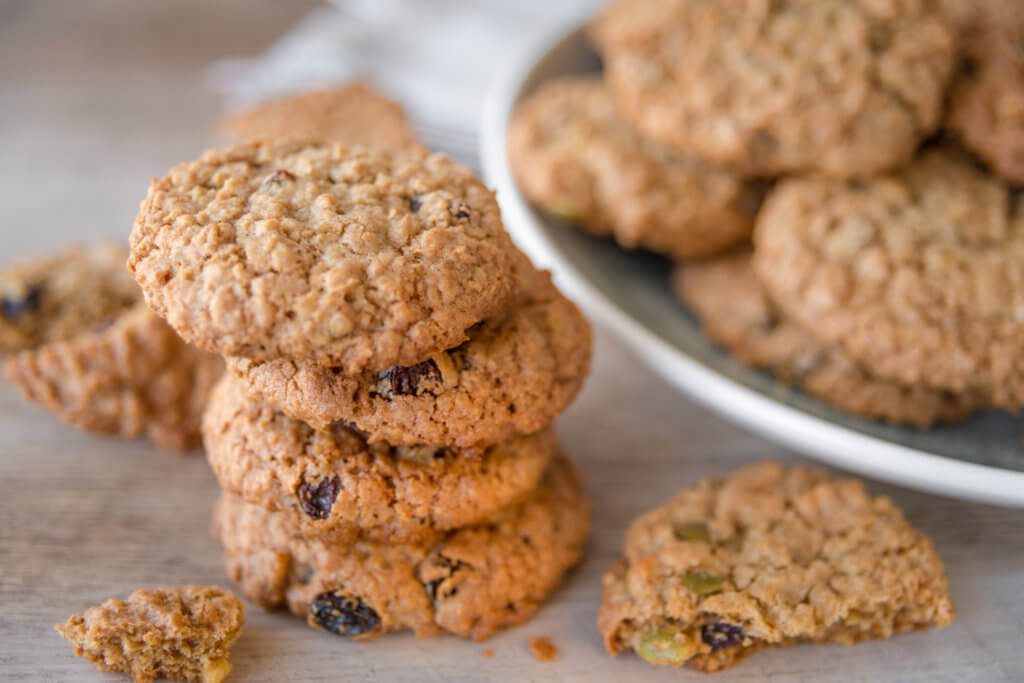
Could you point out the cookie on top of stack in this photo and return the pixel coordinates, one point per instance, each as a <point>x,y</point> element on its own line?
<point>784,155</point>
<point>383,432</point>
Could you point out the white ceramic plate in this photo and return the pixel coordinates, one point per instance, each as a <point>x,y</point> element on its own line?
<point>980,459</point>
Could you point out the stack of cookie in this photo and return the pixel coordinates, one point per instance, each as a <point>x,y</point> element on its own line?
<point>791,147</point>
<point>394,363</point>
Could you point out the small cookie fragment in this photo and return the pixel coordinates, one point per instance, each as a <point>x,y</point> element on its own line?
<point>182,633</point>
<point>354,114</point>
<point>845,87</point>
<point>986,102</point>
<point>918,274</point>
<point>785,556</point>
<point>355,258</point>
<point>735,311</point>
<point>543,649</point>
<point>514,375</point>
<point>470,582</point>
<point>335,482</point>
<point>577,159</point>
<point>92,354</point>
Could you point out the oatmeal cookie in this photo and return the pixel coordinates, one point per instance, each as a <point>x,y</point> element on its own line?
<point>471,582</point>
<point>334,481</point>
<point>95,356</point>
<point>354,114</point>
<point>577,159</point>
<point>918,275</point>
<point>55,297</point>
<point>517,372</point>
<point>844,87</point>
<point>183,633</point>
<point>986,102</point>
<point>736,313</point>
<point>764,557</point>
<point>350,258</point>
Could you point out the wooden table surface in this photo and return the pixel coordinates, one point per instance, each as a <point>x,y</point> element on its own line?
<point>96,98</point>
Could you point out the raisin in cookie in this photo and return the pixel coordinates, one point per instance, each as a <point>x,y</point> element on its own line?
<point>735,312</point>
<point>95,356</point>
<point>844,87</point>
<point>918,275</point>
<point>764,557</point>
<point>354,114</point>
<point>986,102</point>
<point>346,257</point>
<point>336,481</point>
<point>517,372</point>
<point>576,158</point>
<point>182,633</point>
<point>471,582</point>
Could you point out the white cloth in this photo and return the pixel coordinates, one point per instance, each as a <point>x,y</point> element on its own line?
<point>436,57</point>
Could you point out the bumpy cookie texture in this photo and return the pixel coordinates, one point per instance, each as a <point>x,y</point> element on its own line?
<point>986,103</point>
<point>54,298</point>
<point>335,481</point>
<point>847,88</point>
<point>182,633</point>
<point>514,375</point>
<point>471,582</point>
<point>99,359</point>
<point>354,114</point>
<point>917,274</point>
<point>735,311</point>
<point>576,158</point>
<point>764,557</point>
<point>350,258</point>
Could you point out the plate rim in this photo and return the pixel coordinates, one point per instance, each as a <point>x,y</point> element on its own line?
<point>790,427</point>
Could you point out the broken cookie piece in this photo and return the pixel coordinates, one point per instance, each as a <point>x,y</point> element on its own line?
<point>769,556</point>
<point>181,633</point>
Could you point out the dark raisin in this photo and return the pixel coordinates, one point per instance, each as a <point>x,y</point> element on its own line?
<point>447,568</point>
<point>721,635</point>
<point>459,211</point>
<point>15,306</point>
<point>405,381</point>
<point>346,615</point>
<point>317,500</point>
<point>415,202</point>
<point>278,177</point>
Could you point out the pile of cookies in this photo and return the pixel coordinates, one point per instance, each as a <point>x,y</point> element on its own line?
<point>846,170</point>
<point>382,434</point>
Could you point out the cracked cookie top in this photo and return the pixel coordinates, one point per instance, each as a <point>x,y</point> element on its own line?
<point>769,556</point>
<point>918,274</point>
<point>347,257</point>
<point>847,88</point>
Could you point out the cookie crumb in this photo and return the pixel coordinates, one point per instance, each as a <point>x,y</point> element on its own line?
<point>543,649</point>
<point>488,653</point>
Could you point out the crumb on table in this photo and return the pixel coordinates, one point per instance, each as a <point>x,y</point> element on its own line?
<point>543,649</point>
